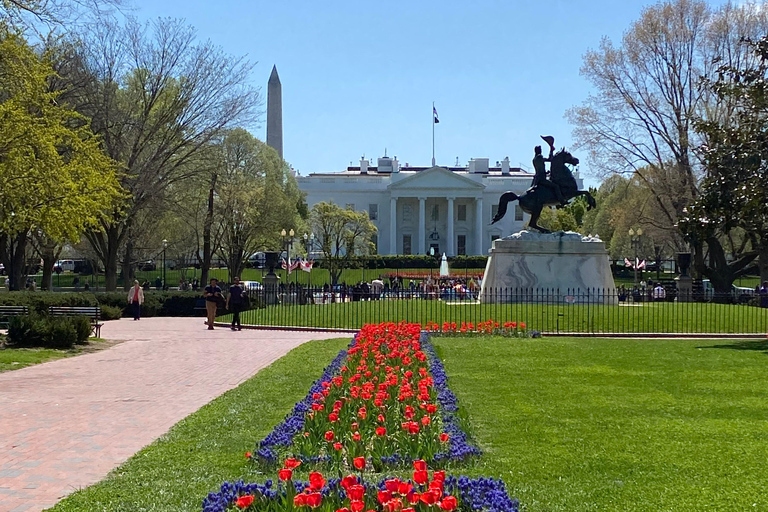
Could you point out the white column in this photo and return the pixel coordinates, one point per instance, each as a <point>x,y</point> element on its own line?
<point>450,245</point>
<point>479,224</point>
<point>422,225</point>
<point>393,225</point>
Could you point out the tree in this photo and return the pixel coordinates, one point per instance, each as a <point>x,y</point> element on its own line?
<point>257,198</point>
<point>30,13</point>
<point>649,94</point>
<point>733,205</point>
<point>158,99</point>
<point>54,178</point>
<point>342,233</point>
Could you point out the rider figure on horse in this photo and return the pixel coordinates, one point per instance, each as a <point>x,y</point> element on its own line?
<point>540,179</point>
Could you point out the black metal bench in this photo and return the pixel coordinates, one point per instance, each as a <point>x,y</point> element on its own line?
<point>6,312</point>
<point>92,312</point>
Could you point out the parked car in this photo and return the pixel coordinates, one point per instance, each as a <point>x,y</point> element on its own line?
<point>147,265</point>
<point>257,260</point>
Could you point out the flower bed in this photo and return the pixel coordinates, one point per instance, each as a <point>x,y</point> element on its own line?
<point>354,494</point>
<point>508,329</point>
<point>385,399</point>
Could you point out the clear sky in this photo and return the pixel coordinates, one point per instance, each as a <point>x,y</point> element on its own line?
<point>361,76</point>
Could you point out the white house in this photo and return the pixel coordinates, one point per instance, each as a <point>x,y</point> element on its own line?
<point>416,208</point>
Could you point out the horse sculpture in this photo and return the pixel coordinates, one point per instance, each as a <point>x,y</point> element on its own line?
<point>535,199</point>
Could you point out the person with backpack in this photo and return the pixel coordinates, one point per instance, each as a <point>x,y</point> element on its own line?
<point>235,302</point>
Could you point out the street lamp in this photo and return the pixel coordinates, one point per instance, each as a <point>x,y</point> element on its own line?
<point>635,240</point>
<point>165,246</point>
<point>287,246</point>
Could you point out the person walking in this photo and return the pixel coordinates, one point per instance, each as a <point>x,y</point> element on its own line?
<point>136,299</point>
<point>235,301</point>
<point>764,295</point>
<point>212,294</point>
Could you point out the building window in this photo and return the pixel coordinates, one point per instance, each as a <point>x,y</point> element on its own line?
<point>406,244</point>
<point>373,211</point>
<point>494,211</point>
<point>435,212</point>
<point>462,214</point>
<point>518,212</point>
<point>407,213</point>
<point>350,206</point>
<point>461,245</point>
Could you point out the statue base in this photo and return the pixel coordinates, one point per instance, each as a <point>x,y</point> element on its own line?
<point>551,268</point>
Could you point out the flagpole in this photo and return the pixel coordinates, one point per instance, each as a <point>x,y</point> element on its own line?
<point>433,133</point>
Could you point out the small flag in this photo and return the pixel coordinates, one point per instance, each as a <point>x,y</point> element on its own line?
<point>434,112</point>
<point>641,265</point>
<point>627,263</point>
<point>306,265</point>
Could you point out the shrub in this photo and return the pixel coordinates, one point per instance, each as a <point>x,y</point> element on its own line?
<point>48,332</point>
<point>111,312</point>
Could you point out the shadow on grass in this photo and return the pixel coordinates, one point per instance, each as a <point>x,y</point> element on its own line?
<point>758,345</point>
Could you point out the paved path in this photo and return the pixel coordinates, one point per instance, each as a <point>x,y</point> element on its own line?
<point>65,424</point>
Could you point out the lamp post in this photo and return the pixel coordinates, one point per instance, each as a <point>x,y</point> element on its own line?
<point>165,246</point>
<point>635,240</point>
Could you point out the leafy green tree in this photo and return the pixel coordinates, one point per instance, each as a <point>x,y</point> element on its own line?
<point>342,234</point>
<point>732,209</point>
<point>159,99</point>
<point>54,178</point>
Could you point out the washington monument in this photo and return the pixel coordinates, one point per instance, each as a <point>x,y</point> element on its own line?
<point>275,112</point>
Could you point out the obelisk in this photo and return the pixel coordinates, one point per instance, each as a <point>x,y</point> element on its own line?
<point>275,112</point>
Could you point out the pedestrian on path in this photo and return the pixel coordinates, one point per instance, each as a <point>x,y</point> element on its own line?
<point>136,299</point>
<point>235,301</point>
<point>212,294</point>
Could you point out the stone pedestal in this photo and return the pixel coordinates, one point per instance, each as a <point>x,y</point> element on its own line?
<point>684,288</point>
<point>270,288</point>
<point>549,268</point>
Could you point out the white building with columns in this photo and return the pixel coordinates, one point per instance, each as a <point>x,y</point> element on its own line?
<point>417,208</point>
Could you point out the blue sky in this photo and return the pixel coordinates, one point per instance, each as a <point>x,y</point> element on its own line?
<point>359,77</point>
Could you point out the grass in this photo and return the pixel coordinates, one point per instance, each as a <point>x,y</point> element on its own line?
<point>570,424</point>
<point>16,358</point>
<point>647,317</point>
<point>624,425</point>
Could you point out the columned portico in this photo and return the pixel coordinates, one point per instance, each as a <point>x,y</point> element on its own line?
<point>422,225</point>
<point>393,225</point>
<point>479,225</point>
<point>449,246</point>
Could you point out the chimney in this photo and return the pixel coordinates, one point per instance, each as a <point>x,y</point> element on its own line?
<point>395,165</point>
<point>505,165</point>
<point>363,166</point>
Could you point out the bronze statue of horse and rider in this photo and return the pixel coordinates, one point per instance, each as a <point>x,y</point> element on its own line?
<point>555,191</point>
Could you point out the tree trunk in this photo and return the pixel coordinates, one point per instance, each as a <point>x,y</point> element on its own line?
<point>207,228</point>
<point>763,262</point>
<point>15,260</point>
<point>127,267</point>
<point>110,258</point>
<point>48,261</point>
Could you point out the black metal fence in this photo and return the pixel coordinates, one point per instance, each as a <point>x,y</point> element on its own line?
<point>588,311</point>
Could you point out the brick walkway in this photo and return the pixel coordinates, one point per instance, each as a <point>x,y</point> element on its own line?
<point>65,424</point>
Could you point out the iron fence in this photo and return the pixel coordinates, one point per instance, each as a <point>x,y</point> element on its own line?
<point>577,311</point>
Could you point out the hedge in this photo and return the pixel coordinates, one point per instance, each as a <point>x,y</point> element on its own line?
<point>156,303</point>
<point>48,332</point>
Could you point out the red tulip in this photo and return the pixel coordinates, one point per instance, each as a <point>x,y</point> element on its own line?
<point>299,500</point>
<point>291,463</point>
<point>404,488</point>
<point>438,476</point>
<point>444,437</point>
<point>359,462</point>
<point>428,498</point>
<point>357,506</point>
<point>329,435</point>
<point>426,421</point>
<point>247,455</point>
<point>381,431</point>
<point>356,492</point>
<point>356,436</point>
<point>337,446</point>
<point>449,503</point>
<point>413,498</point>
<point>244,501</point>
<point>285,474</point>
<point>316,481</point>
<point>420,477</point>
<point>333,417</point>
<point>314,499</point>
<point>392,485</point>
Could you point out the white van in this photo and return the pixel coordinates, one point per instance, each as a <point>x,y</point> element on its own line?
<point>64,266</point>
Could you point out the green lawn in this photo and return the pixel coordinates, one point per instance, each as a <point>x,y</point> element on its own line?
<point>653,317</point>
<point>15,358</point>
<point>570,424</point>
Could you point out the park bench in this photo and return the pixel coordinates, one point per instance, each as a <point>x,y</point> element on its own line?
<point>6,312</point>
<point>92,312</point>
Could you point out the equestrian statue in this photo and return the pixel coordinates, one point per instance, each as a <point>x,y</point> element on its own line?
<point>555,191</point>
